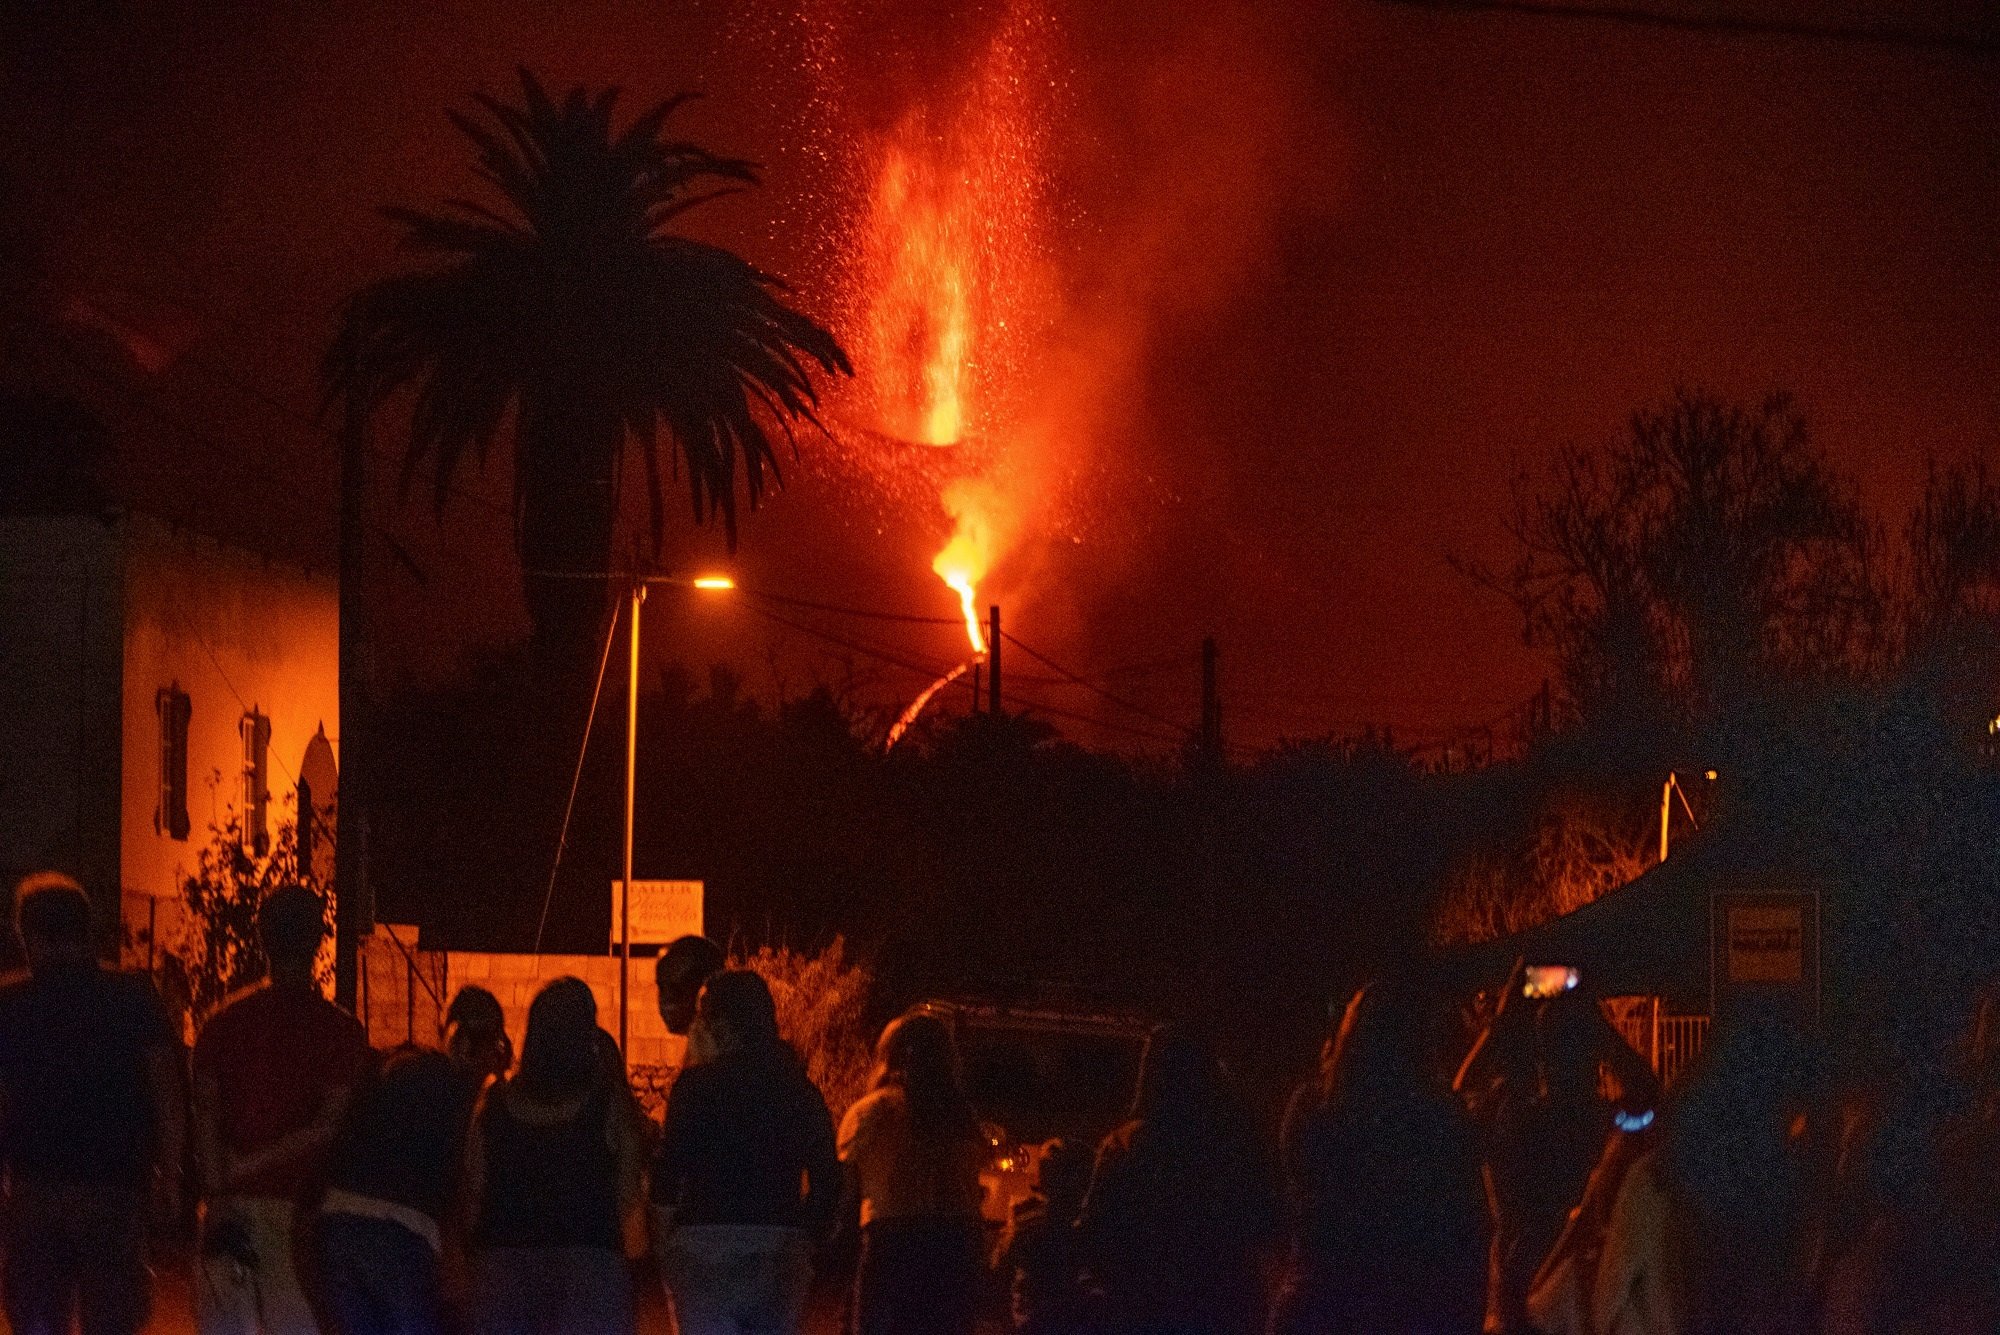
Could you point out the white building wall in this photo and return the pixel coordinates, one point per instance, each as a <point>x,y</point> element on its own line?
<point>236,632</point>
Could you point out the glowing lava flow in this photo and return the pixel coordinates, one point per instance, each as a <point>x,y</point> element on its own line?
<point>968,599</point>
<point>909,716</point>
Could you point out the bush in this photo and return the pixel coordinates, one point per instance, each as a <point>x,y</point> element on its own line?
<point>822,1000</point>
<point>1574,857</point>
<point>216,951</point>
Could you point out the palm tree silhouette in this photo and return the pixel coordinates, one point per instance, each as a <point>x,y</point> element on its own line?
<point>595,325</point>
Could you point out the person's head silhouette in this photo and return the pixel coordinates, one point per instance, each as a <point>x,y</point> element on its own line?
<point>683,968</point>
<point>291,923</point>
<point>53,919</point>
<point>736,1006</point>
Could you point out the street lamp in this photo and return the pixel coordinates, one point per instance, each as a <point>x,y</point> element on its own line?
<point>708,584</point>
<point>1668,791</point>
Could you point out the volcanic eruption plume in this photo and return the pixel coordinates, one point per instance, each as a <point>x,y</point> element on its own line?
<point>950,291</point>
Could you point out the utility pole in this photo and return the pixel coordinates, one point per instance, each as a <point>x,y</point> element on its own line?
<point>631,786</point>
<point>1211,703</point>
<point>993,659</point>
<point>977,690</point>
<point>350,849</point>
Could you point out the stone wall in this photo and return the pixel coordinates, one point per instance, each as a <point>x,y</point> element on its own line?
<point>405,992</point>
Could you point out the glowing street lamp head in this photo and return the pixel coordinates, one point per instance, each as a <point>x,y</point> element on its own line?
<point>714,582</point>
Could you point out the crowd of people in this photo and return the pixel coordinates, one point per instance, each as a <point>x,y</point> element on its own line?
<point>1552,1187</point>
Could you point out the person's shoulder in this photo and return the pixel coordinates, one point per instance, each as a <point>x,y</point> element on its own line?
<point>129,987</point>
<point>245,1003</point>
<point>337,1020</point>
<point>876,1105</point>
<point>490,1103</point>
<point>786,1071</point>
<point>1304,1103</point>
<point>699,1082</point>
<point>869,1112</point>
<point>133,1002</point>
<point>16,986</point>
<point>17,1000</point>
<point>239,1010</point>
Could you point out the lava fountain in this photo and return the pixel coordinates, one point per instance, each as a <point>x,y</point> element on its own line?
<point>952,291</point>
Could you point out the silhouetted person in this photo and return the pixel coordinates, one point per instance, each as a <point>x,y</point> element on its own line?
<point>683,968</point>
<point>747,1180</point>
<point>476,1037</point>
<point>1926,1172</point>
<point>273,1073</point>
<point>90,1124</point>
<point>1390,1225</point>
<point>553,1173</point>
<point>481,1052</point>
<point>1547,1124</point>
<point>1182,1205</point>
<point>914,1149</point>
<point>1039,1255</point>
<point>393,1179</point>
<point>1713,1234</point>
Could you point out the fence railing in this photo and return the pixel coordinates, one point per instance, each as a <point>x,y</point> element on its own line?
<point>1670,1043</point>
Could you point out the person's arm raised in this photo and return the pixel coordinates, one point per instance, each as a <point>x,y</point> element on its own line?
<point>1476,1072</point>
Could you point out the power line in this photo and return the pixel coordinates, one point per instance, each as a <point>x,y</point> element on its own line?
<point>1092,687</point>
<point>854,645</point>
<point>1113,725</point>
<point>934,671</point>
<point>809,605</point>
<point>583,749</point>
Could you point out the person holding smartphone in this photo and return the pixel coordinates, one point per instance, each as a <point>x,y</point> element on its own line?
<point>1535,1077</point>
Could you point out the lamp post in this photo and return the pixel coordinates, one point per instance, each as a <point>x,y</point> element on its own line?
<point>707,584</point>
<point>1667,792</point>
<point>631,791</point>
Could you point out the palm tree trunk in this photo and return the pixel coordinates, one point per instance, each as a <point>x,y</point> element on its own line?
<point>566,464</point>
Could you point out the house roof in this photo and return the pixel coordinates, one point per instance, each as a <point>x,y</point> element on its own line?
<point>1650,937</point>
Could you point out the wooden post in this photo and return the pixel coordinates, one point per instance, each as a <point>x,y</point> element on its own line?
<point>993,658</point>
<point>350,850</point>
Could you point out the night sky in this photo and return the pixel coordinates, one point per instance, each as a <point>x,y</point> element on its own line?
<point>1335,275</point>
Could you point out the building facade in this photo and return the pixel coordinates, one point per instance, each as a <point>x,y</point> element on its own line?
<point>158,689</point>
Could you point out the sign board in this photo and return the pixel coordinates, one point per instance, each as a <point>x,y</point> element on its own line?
<point>1764,951</point>
<point>662,911</point>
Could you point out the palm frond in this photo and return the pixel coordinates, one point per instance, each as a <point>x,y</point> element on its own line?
<point>572,307</point>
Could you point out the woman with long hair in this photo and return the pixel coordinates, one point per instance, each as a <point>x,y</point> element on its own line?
<point>553,1175</point>
<point>1182,1205</point>
<point>1390,1222</point>
<point>914,1148</point>
<point>1716,1232</point>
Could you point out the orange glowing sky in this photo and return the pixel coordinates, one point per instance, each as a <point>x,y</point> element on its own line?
<point>1313,280</point>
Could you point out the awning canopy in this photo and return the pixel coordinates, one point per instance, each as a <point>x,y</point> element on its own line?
<point>1648,938</point>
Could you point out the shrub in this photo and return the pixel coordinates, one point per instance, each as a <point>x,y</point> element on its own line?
<point>822,1000</point>
<point>1574,857</point>
<point>216,952</point>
